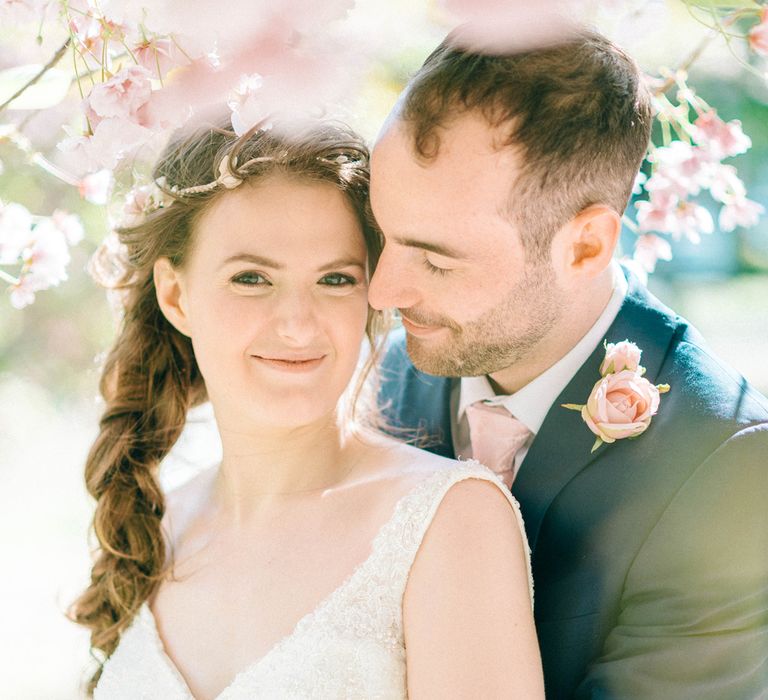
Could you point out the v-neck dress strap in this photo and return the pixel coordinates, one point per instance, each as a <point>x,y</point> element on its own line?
<point>350,646</point>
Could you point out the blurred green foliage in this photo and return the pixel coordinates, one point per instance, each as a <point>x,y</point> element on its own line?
<point>55,341</point>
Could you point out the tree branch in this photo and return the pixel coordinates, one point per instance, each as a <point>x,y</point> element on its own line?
<point>719,29</point>
<point>688,62</point>
<point>54,60</point>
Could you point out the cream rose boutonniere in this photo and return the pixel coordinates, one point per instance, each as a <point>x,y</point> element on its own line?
<point>622,402</point>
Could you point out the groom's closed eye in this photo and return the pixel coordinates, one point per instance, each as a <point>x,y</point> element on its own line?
<point>435,266</point>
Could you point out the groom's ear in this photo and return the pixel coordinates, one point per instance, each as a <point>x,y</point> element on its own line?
<point>171,297</point>
<point>589,240</point>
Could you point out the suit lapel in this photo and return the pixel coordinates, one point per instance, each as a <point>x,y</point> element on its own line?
<point>562,446</point>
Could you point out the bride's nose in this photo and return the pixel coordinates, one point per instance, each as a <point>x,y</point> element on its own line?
<point>295,317</point>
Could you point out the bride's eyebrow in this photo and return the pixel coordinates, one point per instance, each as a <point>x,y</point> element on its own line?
<point>340,263</point>
<point>263,261</point>
<point>255,259</point>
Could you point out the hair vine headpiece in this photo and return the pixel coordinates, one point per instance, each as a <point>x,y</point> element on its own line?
<point>146,199</point>
<point>143,200</point>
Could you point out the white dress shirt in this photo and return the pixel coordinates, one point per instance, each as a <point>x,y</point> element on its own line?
<point>531,403</point>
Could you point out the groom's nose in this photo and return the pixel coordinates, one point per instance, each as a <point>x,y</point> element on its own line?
<point>390,287</point>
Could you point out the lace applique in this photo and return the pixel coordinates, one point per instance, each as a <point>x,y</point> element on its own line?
<point>350,646</point>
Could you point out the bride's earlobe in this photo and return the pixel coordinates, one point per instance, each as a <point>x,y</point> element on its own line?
<point>169,290</point>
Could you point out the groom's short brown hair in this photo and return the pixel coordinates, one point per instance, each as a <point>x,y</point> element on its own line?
<point>577,112</point>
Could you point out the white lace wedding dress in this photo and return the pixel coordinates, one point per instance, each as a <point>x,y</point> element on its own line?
<point>349,646</point>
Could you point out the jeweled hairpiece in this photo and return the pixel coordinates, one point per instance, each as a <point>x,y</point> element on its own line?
<point>146,199</point>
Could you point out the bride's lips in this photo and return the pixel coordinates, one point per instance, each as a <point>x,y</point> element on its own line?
<point>292,365</point>
<point>418,330</point>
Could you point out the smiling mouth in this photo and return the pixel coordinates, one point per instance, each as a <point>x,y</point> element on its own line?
<point>290,364</point>
<point>416,328</point>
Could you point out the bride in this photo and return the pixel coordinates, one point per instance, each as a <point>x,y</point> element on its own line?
<point>319,559</point>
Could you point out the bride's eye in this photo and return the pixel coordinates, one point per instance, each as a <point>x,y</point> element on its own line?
<point>336,279</point>
<point>250,279</point>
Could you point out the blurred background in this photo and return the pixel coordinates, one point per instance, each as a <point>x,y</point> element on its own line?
<point>49,351</point>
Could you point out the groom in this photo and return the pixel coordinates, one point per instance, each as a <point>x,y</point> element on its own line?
<point>498,182</point>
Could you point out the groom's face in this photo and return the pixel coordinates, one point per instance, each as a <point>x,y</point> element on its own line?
<point>471,302</point>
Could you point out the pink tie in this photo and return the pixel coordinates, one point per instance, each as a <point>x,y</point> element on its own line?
<point>496,436</point>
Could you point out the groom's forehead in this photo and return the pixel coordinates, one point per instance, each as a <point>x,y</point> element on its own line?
<point>466,162</point>
<point>445,202</point>
<point>464,137</point>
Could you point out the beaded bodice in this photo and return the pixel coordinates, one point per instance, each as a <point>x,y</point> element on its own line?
<point>350,646</point>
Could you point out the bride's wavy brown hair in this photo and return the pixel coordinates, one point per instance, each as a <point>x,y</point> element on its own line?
<point>150,378</point>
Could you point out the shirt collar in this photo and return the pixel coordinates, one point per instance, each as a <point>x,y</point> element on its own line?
<point>531,403</point>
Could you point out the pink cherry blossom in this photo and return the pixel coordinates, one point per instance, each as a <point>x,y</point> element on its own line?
<point>142,199</point>
<point>122,95</point>
<point>163,110</point>
<point>247,109</point>
<point>721,139</point>
<point>726,184</point>
<point>230,27</point>
<point>202,87</point>
<point>159,55</point>
<point>649,249</point>
<point>48,256</point>
<point>87,29</point>
<point>97,187</point>
<point>127,15</point>
<point>42,250</point>
<point>640,179</point>
<point>758,35</point>
<point>15,232</point>
<point>23,293</point>
<point>691,220</point>
<point>670,183</point>
<point>45,263</point>
<point>668,214</point>
<point>110,142</point>
<point>680,168</point>
<point>509,25</point>
<point>740,212</point>
<point>69,225</point>
<point>656,214</point>
<point>13,11</point>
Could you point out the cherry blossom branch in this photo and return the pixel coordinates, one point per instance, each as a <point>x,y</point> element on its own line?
<point>8,278</point>
<point>671,81</point>
<point>40,160</point>
<point>719,29</point>
<point>51,63</point>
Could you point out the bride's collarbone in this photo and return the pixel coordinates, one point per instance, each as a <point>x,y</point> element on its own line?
<point>302,551</point>
<point>230,602</point>
<point>384,473</point>
<point>280,566</point>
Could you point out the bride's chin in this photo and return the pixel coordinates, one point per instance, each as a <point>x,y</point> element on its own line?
<point>255,408</point>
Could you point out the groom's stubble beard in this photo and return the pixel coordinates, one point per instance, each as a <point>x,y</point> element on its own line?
<point>501,337</point>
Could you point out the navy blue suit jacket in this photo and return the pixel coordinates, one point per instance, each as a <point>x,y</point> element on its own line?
<point>650,555</point>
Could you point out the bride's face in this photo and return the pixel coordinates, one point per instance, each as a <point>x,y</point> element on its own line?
<point>274,298</point>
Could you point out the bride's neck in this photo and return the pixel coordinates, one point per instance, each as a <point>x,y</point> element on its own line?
<point>263,468</point>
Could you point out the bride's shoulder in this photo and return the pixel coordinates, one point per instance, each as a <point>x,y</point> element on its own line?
<point>467,519</point>
<point>411,468</point>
